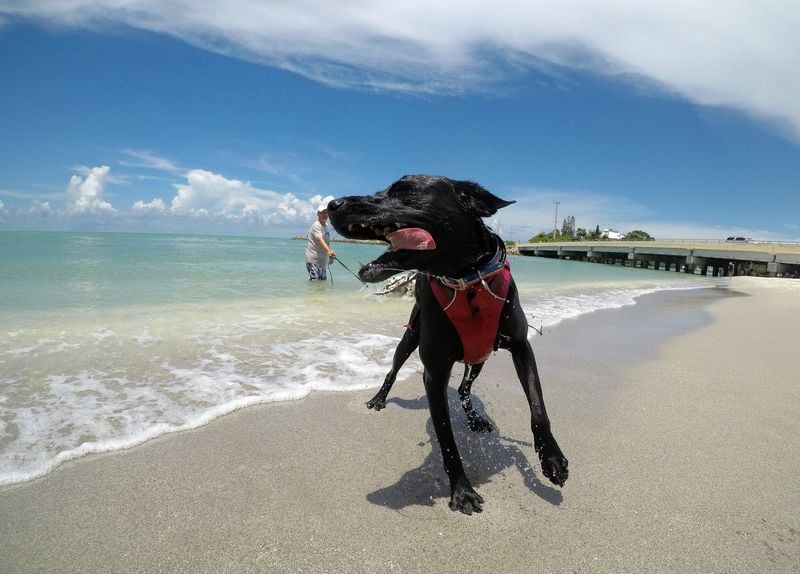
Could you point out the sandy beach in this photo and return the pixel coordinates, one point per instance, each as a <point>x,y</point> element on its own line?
<point>680,417</point>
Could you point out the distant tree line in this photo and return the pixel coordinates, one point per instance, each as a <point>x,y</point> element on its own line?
<point>568,232</point>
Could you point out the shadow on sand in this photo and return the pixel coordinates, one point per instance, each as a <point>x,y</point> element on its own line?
<point>484,455</point>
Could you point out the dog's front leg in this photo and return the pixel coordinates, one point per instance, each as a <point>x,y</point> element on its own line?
<point>463,497</point>
<point>408,344</point>
<point>554,464</point>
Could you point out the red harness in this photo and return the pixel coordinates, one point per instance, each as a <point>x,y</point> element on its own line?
<point>475,311</point>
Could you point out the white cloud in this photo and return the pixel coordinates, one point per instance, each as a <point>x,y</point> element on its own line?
<point>208,194</point>
<point>86,195</point>
<point>40,208</point>
<point>205,202</point>
<point>156,205</point>
<point>211,198</point>
<point>148,160</point>
<point>57,195</point>
<point>738,54</point>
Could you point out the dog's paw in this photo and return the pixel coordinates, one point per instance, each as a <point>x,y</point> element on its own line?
<point>376,403</point>
<point>464,499</point>
<point>479,424</point>
<point>554,464</point>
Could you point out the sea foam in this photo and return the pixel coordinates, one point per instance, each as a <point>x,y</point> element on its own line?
<point>204,326</point>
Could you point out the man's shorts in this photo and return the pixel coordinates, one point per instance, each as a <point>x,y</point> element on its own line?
<point>316,272</point>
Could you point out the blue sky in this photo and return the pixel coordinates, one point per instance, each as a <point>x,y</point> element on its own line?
<point>677,118</point>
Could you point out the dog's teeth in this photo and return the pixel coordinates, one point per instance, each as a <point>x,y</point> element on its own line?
<point>350,227</point>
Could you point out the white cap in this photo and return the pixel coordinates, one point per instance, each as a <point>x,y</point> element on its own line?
<point>322,207</point>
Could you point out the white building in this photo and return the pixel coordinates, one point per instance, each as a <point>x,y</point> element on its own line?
<point>613,235</point>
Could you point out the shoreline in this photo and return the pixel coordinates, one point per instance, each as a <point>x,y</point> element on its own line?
<point>682,451</point>
<point>221,410</point>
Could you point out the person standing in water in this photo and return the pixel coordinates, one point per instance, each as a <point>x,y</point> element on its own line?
<point>318,251</point>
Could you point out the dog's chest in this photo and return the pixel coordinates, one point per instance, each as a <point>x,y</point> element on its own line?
<point>475,312</point>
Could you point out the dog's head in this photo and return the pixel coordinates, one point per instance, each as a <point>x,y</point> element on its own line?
<point>431,223</point>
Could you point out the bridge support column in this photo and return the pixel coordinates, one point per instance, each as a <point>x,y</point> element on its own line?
<point>773,268</point>
<point>697,262</point>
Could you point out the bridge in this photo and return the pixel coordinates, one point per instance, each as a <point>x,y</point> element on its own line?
<point>689,256</point>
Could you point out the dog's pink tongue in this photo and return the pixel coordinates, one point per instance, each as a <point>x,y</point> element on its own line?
<point>412,238</point>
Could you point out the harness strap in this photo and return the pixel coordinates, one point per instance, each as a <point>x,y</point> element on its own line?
<point>489,270</point>
<point>475,311</point>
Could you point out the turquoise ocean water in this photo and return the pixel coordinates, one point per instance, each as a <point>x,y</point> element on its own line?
<point>108,340</point>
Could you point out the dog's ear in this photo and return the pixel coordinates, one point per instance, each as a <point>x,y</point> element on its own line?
<point>476,199</point>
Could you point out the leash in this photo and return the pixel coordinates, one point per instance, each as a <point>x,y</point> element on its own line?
<point>348,269</point>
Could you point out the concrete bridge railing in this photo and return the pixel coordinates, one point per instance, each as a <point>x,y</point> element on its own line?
<point>771,258</point>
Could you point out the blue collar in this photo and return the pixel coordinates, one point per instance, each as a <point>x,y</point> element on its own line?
<point>495,265</point>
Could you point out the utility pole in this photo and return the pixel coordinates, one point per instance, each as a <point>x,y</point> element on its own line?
<point>555,221</point>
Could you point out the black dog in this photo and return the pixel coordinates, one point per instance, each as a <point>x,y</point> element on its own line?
<point>433,224</point>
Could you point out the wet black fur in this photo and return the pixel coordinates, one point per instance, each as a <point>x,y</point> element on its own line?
<point>451,212</point>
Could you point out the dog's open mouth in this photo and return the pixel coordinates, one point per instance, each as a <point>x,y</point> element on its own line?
<point>398,236</point>
<point>404,241</point>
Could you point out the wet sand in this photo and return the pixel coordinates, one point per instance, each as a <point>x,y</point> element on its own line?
<point>680,416</point>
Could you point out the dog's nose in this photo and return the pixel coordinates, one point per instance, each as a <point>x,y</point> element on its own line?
<point>335,204</point>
